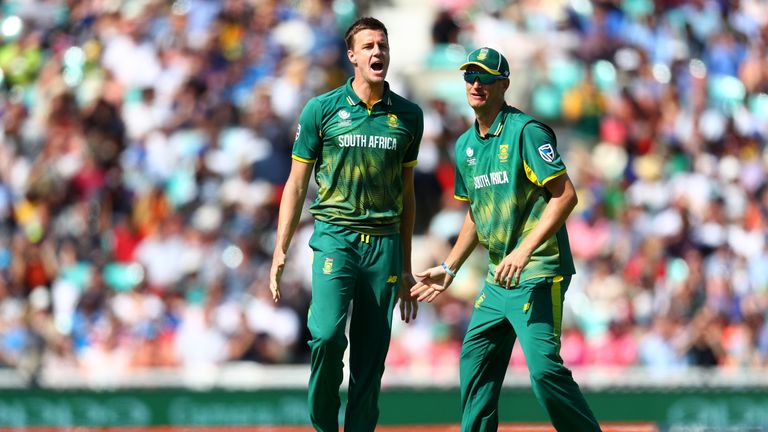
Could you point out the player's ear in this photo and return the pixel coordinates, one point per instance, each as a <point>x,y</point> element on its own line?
<point>351,57</point>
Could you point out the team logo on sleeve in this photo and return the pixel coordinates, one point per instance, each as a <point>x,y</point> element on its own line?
<point>298,132</point>
<point>547,152</point>
<point>328,266</point>
<point>503,153</point>
<point>392,120</point>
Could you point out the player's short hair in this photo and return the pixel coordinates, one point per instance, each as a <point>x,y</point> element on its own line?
<point>364,23</point>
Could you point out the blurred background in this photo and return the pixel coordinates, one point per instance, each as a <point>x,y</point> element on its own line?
<point>145,144</point>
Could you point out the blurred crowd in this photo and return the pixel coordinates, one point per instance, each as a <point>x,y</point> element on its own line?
<point>145,143</point>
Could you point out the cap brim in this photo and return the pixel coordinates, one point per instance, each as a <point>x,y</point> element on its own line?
<point>484,67</point>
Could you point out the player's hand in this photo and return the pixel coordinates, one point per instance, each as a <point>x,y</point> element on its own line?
<point>508,271</point>
<point>409,307</point>
<point>275,273</point>
<point>433,281</point>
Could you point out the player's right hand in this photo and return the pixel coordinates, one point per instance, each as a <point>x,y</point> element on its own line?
<point>433,281</point>
<point>275,273</point>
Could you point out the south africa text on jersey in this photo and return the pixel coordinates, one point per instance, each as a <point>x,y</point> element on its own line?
<point>368,141</point>
<point>494,178</point>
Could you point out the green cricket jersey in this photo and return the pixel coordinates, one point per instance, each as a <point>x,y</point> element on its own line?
<point>359,154</point>
<point>503,177</point>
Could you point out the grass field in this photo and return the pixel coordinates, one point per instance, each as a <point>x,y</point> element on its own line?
<point>609,427</point>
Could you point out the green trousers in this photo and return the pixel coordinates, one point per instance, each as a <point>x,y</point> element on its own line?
<point>364,270</point>
<point>532,314</point>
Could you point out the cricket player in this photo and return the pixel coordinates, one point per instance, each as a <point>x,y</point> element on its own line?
<point>519,194</point>
<point>362,140</point>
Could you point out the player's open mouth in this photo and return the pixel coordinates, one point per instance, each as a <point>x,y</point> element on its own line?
<point>377,66</point>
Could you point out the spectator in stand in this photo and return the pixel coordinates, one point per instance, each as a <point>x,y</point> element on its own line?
<point>663,103</point>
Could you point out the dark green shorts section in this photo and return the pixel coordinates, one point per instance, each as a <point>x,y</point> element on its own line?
<point>364,270</point>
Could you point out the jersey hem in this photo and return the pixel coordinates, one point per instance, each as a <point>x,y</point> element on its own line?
<point>388,229</point>
<point>558,276</point>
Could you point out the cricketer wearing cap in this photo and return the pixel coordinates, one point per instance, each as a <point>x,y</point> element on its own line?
<point>362,140</point>
<point>519,194</point>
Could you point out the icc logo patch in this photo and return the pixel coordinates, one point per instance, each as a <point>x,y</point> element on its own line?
<point>298,132</point>
<point>328,266</point>
<point>503,153</point>
<point>344,116</point>
<point>547,152</point>
<point>392,120</point>
<point>470,158</point>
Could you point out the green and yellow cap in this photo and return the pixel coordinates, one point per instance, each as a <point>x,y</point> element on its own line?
<point>489,59</point>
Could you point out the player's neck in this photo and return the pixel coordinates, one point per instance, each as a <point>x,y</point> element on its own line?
<point>485,118</point>
<point>368,92</point>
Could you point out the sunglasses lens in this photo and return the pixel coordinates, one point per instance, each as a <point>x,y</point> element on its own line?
<point>484,78</point>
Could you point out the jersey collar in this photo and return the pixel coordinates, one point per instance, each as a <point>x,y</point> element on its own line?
<point>498,123</point>
<point>354,99</point>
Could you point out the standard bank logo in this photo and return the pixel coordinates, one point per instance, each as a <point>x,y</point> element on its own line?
<point>547,152</point>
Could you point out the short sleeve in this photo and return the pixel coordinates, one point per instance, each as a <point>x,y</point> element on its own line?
<point>308,141</point>
<point>540,157</point>
<point>459,187</point>
<point>412,153</point>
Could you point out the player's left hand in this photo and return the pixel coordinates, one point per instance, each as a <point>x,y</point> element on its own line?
<point>433,282</point>
<point>409,307</point>
<point>508,271</point>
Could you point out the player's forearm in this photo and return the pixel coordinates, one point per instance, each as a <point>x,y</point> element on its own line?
<point>291,203</point>
<point>465,244</point>
<point>407,219</point>
<point>559,207</point>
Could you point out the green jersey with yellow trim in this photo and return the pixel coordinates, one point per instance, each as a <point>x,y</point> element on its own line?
<point>359,154</point>
<point>503,177</point>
